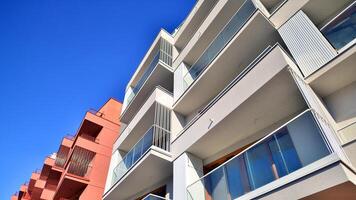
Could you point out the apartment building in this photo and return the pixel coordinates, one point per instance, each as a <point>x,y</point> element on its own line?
<point>79,168</point>
<point>247,99</point>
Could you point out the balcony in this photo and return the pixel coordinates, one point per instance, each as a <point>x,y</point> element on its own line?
<point>154,70</point>
<point>34,177</point>
<point>253,107</point>
<point>229,52</point>
<point>156,109</point>
<point>231,28</point>
<point>193,21</point>
<point>155,136</point>
<point>340,32</point>
<point>148,163</point>
<point>63,151</point>
<point>77,174</point>
<point>280,155</point>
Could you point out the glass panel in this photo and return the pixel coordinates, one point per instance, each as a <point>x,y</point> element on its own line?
<point>277,157</point>
<point>289,154</point>
<point>259,165</point>
<point>215,184</point>
<point>147,141</point>
<point>307,139</point>
<point>342,29</point>
<point>237,178</point>
<point>137,151</point>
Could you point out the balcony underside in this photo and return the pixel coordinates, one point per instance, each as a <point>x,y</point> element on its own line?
<point>160,76</point>
<point>336,74</point>
<point>250,41</point>
<point>69,188</point>
<point>331,182</point>
<point>263,99</point>
<point>318,14</point>
<point>273,104</point>
<point>137,132</point>
<point>192,22</point>
<point>150,170</point>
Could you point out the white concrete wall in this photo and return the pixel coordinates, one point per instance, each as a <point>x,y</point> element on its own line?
<point>342,106</point>
<point>177,124</point>
<point>115,159</point>
<point>187,168</point>
<point>178,83</point>
<point>128,92</point>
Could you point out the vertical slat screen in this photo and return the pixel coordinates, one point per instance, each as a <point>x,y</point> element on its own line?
<point>162,123</point>
<point>166,50</point>
<point>306,43</point>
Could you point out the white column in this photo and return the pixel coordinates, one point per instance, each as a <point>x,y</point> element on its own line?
<point>187,169</point>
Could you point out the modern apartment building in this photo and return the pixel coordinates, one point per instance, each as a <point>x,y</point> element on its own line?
<point>247,99</point>
<point>79,168</point>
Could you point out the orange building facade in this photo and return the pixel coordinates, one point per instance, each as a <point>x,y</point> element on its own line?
<point>79,168</point>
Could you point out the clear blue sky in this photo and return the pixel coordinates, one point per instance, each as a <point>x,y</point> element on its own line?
<point>59,58</point>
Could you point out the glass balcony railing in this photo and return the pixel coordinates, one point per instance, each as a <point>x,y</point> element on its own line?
<point>221,40</point>
<point>284,151</point>
<point>155,136</point>
<point>154,197</point>
<point>164,54</point>
<point>341,30</point>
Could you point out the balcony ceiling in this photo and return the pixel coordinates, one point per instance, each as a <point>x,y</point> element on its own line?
<point>319,15</point>
<point>335,75</point>
<point>267,109</point>
<point>162,76</point>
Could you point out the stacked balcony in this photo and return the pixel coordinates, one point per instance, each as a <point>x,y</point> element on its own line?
<point>324,49</point>
<point>263,97</point>
<point>144,148</point>
<point>154,70</point>
<point>234,35</point>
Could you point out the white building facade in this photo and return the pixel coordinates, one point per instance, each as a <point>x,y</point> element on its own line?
<point>247,99</point>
